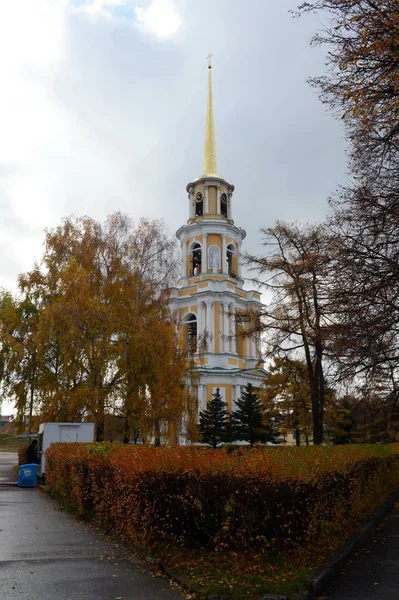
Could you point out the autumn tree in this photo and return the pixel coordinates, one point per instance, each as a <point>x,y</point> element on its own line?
<point>106,336</point>
<point>294,269</point>
<point>8,319</point>
<point>361,83</point>
<point>20,366</point>
<point>341,420</point>
<point>286,397</point>
<point>361,89</point>
<point>213,421</point>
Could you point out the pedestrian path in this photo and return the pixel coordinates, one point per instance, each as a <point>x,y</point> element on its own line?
<point>373,574</point>
<point>7,461</point>
<point>47,554</point>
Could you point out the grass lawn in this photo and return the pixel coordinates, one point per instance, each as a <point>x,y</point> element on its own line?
<point>238,576</point>
<point>10,443</point>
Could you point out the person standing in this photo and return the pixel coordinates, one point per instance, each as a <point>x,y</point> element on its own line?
<point>32,455</point>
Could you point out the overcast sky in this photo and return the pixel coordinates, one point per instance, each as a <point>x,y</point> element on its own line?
<point>103,107</point>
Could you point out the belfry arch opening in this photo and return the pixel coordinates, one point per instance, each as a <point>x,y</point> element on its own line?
<point>199,205</point>
<point>190,332</point>
<point>231,260</point>
<point>223,205</point>
<point>197,259</point>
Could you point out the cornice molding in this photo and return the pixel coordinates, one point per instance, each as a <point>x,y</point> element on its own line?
<point>211,226</point>
<point>209,179</point>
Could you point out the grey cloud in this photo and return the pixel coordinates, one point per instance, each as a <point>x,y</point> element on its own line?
<point>134,110</point>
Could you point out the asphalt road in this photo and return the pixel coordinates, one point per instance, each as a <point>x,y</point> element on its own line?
<point>46,554</point>
<point>373,574</point>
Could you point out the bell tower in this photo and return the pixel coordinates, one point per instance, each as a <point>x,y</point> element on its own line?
<point>210,300</point>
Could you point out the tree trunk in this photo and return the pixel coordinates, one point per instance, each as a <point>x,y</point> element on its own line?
<point>317,416</point>
<point>126,431</point>
<point>157,432</point>
<point>127,428</point>
<point>100,418</point>
<point>297,437</point>
<point>32,394</point>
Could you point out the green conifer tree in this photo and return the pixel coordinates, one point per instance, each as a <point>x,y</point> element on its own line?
<point>213,421</point>
<point>248,419</point>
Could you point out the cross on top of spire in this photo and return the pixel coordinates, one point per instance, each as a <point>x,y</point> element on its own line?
<point>209,60</point>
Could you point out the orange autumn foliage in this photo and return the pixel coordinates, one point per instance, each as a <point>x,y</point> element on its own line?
<point>270,499</point>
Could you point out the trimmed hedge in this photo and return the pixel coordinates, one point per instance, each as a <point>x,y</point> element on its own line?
<point>273,498</point>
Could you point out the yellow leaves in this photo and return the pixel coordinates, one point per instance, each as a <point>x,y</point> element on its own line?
<point>102,329</point>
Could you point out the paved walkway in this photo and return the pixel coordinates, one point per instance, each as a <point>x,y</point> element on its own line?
<point>373,574</point>
<point>46,554</point>
<point>7,461</point>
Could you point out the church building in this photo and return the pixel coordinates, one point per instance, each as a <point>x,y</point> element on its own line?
<point>210,299</point>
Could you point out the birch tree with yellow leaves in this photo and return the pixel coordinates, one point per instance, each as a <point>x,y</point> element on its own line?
<point>106,342</point>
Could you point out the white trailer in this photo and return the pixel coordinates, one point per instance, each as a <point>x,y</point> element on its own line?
<point>61,432</point>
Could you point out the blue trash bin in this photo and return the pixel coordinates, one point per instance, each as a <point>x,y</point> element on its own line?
<point>27,476</point>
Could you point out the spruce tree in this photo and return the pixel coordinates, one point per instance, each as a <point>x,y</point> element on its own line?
<point>213,421</point>
<point>248,419</point>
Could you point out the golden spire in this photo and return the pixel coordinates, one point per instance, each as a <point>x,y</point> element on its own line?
<point>210,146</point>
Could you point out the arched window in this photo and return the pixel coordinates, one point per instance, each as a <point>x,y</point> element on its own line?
<point>230,254</point>
<point>196,251</point>
<point>214,258</point>
<point>223,205</point>
<point>190,327</point>
<point>199,205</point>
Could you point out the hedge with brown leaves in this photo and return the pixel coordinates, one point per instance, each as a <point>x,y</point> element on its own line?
<point>263,498</point>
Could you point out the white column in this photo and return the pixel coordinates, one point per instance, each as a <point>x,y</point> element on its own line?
<point>251,353</point>
<point>247,347</point>
<point>210,324</point>
<point>221,319</point>
<point>231,332</point>
<point>230,207</point>
<point>224,254</point>
<point>226,341</point>
<point>206,199</point>
<point>184,269</point>
<point>239,258</point>
<point>237,395</point>
<point>200,397</point>
<point>204,256</point>
<point>192,204</point>
<point>204,328</point>
<point>200,325</point>
<point>218,200</point>
<point>257,345</point>
<point>204,397</point>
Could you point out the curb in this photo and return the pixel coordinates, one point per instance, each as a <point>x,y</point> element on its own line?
<point>324,575</point>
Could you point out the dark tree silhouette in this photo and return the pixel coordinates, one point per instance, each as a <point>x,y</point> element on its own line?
<point>360,88</point>
<point>213,421</point>
<point>295,268</point>
<point>248,419</point>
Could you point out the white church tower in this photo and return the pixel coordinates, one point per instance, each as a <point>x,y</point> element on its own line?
<point>210,298</point>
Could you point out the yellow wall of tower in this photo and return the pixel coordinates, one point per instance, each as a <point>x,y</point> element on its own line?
<point>212,200</point>
<point>225,392</point>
